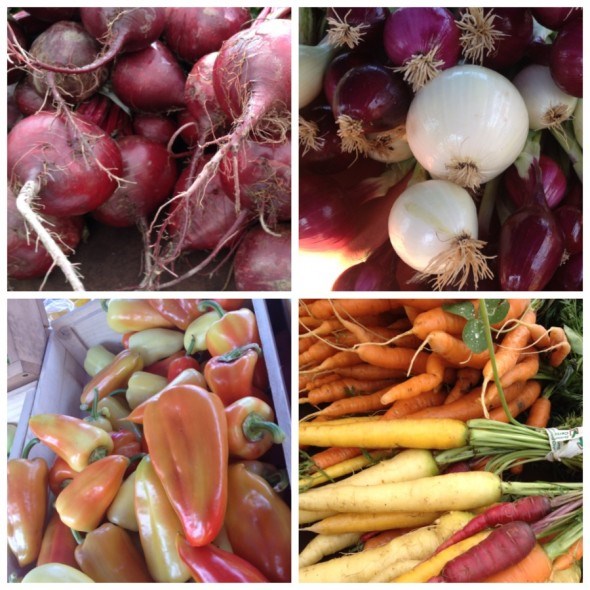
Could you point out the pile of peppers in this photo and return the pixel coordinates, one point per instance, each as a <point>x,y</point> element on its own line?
<point>166,478</point>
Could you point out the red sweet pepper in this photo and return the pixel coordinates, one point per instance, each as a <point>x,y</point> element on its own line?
<point>58,543</point>
<point>258,524</point>
<point>60,475</point>
<point>125,443</point>
<point>161,367</point>
<point>211,564</point>
<point>27,504</point>
<point>251,429</point>
<point>231,330</point>
<point>180,312</point>
<point>186,434</point>
<point>230,375</point>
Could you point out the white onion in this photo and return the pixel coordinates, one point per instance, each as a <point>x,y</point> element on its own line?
<point>467,125</point>
<point>433,229</point>
<point>313,61</point>
<point>547,105</point>
<point>578,122</point>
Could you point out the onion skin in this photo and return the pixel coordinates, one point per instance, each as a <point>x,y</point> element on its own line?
<point>570,221</point>
<point>158,128</point>
<point>28,259</point>
<point>339,67</point>
<point>194,32</point>
<point>28,100</point>
<point>569,276</point>
<point>150,80</point>
<point>517,24</point>
<point>263,261</point>
<point>70,184</point>
<point>67,43</point>
<point>531,246</point>
<point>555,18</point>
<point>521,189</point>
<point>411,32</point>
<point>150,174</point>
<point>566,60</point>
<point>373,95</point>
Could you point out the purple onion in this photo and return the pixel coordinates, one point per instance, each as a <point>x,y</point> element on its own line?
<point>421,41</point>
<point>566,62</point>
<point>377,273</point>
<point>340,66</point>
<point>569,219</point>
<point>327,157</point>
<point>569,276</point>
<point>520,189</point>
<point>555,18</point>
<point>363,24</point>
<point>373,96</point>
<point>531,245</point>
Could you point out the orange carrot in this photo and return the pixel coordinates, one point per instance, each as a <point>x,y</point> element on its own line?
<point>333,455</point>
<point>343,388</point>
<point>411,312</point>
<point>358,404</point>
<point>522,402</point>
<point>308,323</point>
<point>513,343</point>
<point>393,357</point>
<point>319,352</point>
<point>383,538</point>
<point>455,351</point>
<point>467,407</point>
<point>336,361</point>
<point>515,311</point>
<point>307,382</point>
<point>466,379</point>
<point>563,348</point>
<point>405,407</point>
<point>524,370</point>
<point>540,336</point>
<point>535,567</point>
<point>567,559</point>
<point>370,372</point>
<point>425,304</point>
<point>305,344</point>
<point>324,308</point>
<point>431,379</point>
<point>437,319</point>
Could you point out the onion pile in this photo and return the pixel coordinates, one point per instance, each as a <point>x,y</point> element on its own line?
<point>161,136</point>
<point>478,147</point>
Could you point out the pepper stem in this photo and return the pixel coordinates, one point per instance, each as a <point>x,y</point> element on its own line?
<point>98,454</point>
<point>209,304</point>
<point>238,352</point>
<point>78,536</point>
<point>28,447</point>
<point>255,427</point>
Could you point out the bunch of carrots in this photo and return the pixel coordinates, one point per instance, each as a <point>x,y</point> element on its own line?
<point>385,385</point>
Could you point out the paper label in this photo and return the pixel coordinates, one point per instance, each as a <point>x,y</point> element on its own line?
<point>565,444</point>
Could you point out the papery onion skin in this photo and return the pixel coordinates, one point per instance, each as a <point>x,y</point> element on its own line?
<point>425,219</point>
<point>566,61</point>
<point>467,117</point>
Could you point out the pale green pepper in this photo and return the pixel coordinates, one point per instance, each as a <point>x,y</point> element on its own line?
<point>156,344</point>
<point>142,386</point>
<point>97,358</point>
<point>195,336</point>
<point>56,572</point>
<point>122,509</point>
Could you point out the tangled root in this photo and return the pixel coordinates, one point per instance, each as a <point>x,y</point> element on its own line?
<point>479,36</point>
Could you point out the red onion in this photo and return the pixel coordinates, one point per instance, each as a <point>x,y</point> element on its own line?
<point>495,37</point>
<point>555,18</point>
<point>569,219</point>
<point>319,143</point>
<point>566,62</point>
<point>347,280</point>
<point>569,276</point>
<point>377,273</point>
<point>53,15</point>
<point>531,245</point>
<point>263,261</point>
<point>108,115</point>
<point>520,189</point>
<point>15,35</point>
<point>28,100</point>
<point>369,99</point>
<point>158,128</point>
<point>575,195</point>
<point>421,42</point>
<point>355,26</point>
<point>340,66</point>
<point>13,114</point>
